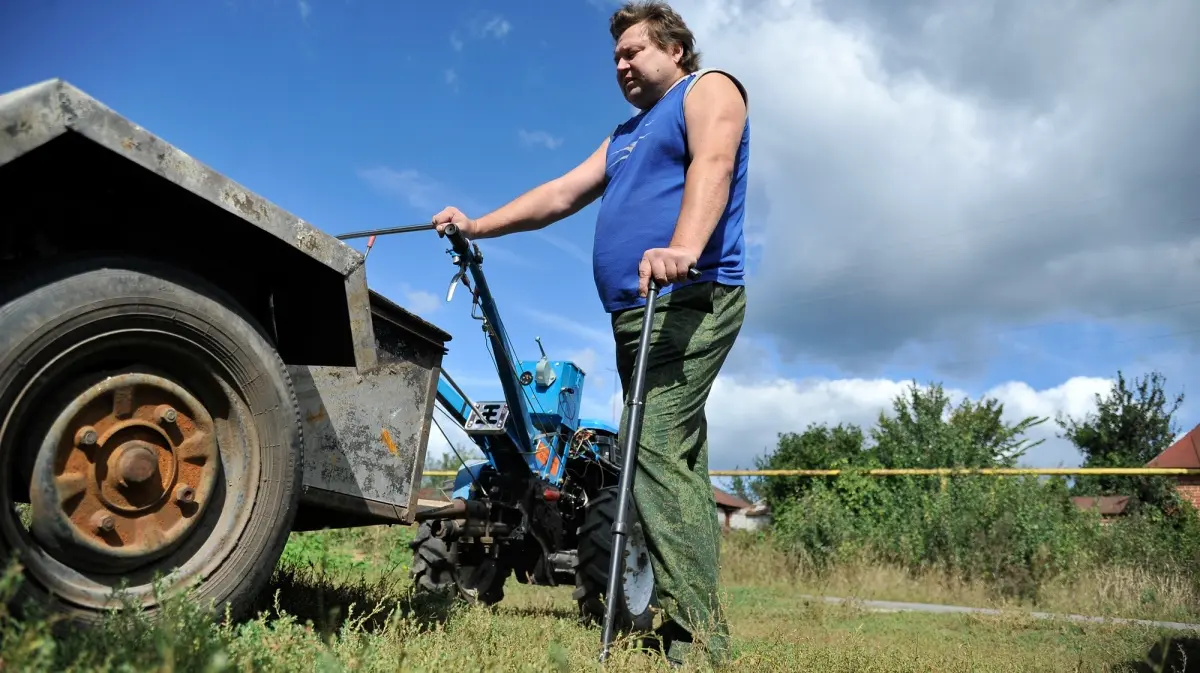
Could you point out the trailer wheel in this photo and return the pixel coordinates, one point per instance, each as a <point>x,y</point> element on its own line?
<point>635,610</point>
<point>464,570</point>
<point>154,431</point>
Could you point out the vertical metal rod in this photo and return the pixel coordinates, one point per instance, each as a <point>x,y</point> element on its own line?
<point>633,431</point>
<point>633,434</point>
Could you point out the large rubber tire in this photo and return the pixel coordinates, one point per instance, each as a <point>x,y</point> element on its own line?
<point>595,555</point>
<point>74,325</point>
<point>436,570</point>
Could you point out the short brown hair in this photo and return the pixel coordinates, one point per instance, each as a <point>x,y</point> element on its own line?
<point>663,25</point>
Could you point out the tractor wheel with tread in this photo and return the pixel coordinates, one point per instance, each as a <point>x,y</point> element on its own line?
<point>153,430</point>
<point>439,569</point>
<point>635,612</point>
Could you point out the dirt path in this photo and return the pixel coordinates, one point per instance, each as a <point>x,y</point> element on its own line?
<point>895,606</point>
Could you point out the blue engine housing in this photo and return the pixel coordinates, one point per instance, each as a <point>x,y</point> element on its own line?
<point>553,391</point>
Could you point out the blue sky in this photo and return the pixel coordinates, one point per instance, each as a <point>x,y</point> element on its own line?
<point>356,115</point>
<point>925,215</point>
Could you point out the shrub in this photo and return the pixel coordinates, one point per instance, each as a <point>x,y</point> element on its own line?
<point>1012,533</point>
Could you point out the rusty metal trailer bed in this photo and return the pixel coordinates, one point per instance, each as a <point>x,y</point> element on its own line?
<point>187,371</point>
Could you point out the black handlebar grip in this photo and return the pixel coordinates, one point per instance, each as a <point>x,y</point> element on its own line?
<point>692,273</point>
<point>459,242</point>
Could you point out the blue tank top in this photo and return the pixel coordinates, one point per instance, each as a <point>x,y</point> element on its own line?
<point>646,166</point>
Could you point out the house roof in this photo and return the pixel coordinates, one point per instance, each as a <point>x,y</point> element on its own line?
<point>728,500</point>
<point>1109,505</point>
<point>1184,453</point>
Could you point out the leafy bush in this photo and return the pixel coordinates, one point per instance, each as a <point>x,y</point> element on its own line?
<point>1013,533</point>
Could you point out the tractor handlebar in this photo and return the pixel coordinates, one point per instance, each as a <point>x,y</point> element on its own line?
<point>457,240</point>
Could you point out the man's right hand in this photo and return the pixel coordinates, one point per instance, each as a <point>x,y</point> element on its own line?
<point>467,226</point>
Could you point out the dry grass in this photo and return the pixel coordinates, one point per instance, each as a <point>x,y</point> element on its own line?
<point>1108,591</point>
<point>333,608</point>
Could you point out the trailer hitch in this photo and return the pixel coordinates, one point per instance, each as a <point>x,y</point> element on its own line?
<point>458,509</point>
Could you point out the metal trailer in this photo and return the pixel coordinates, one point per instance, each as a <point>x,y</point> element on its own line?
<point>187,372</point>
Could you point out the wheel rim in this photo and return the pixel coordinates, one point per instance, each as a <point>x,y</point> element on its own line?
<point>475,572</point>
<point>227,484</point>
<point>126,470</point>
<point>638,576</point>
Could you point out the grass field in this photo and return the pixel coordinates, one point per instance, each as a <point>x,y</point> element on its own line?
<point>339,603</point>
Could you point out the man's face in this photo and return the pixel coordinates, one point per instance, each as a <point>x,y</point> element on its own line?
<point>644,71</point>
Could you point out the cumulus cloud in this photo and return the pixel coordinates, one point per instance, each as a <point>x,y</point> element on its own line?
<point>930,178</point>
<point>746,418</point>
<point>932,171</point>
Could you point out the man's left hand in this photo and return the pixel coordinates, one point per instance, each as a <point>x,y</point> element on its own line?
<point>667,265</point>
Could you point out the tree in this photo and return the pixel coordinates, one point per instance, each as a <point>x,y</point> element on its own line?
<point>926,432</point>
<point>744,489</point>
<point>1128,429</point>
<point>819,447</point>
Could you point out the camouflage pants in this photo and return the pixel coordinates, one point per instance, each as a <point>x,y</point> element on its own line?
<point>693,330</point>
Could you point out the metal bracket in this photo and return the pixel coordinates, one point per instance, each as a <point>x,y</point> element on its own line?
<point>487,418</point>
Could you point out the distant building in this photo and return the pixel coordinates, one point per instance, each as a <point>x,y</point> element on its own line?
<point>1109,506</point>
<point>1184,453</point>
<point>754,517</point>
<point>734,513</point>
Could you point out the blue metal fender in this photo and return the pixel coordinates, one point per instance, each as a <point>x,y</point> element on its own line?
<point>596,424</point>
<point>464,481</point>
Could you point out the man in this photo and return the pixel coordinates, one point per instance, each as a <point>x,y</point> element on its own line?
<point>673,182</point>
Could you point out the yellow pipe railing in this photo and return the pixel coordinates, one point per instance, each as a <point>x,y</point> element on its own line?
<point>936,472</point>
<point>994,471</point>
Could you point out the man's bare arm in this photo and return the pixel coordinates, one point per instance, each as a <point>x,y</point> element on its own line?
<point>550,201</point>
<point>716,117</point>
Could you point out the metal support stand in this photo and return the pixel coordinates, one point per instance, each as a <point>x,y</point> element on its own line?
<point>633,434</point>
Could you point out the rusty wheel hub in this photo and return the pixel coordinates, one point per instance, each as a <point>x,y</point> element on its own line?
<point>136,463</point>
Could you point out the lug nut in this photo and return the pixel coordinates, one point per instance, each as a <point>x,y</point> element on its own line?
<point>184,494</point>
<point>104,522</point>
<point>166,414</point>
<point>87,436</point>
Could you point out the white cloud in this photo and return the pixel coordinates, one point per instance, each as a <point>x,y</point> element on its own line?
<point>937,171</point>
<point>540,138</point>
<point>451,76</point>
<point>586,359</point>
<point>305,10</point>
<point>418,190</point>
<point>445,433</point>
<point>421,302</point>
<point>496,26</point>
<point>932,176</point>
<point>746,418</point>
<point>410,185</point>
<point>456,42</point>
<point>562,323</point>
<point>565,245</point>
